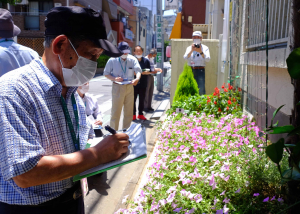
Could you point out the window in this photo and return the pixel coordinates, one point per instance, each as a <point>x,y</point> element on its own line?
<point>144,33</point>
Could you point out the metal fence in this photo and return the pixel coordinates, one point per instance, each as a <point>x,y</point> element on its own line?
<point>249,64</point>
<point>33,43</point>
<point>279,14</point>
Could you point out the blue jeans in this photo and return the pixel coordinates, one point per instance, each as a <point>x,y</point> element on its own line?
<point>199,75</point>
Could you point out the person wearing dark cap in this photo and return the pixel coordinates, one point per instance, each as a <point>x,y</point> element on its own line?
<point>43,121</point>
<point>121,70</point>
<point>12,55</point>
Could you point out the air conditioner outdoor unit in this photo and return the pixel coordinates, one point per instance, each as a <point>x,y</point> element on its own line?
<point>22,2</point>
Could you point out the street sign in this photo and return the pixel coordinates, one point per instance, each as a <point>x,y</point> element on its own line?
<point>158,18</point>
<point>158,57</point>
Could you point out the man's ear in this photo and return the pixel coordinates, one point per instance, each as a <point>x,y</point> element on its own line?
<point>59,44</point>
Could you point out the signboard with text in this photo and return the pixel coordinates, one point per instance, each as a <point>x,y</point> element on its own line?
<point>171,4</point>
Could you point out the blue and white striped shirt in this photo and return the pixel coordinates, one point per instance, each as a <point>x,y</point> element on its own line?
<point>33,125</point>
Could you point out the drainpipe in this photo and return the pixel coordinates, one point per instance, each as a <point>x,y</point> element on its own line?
<point>209,21</point>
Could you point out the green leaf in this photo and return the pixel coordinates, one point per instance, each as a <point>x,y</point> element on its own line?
<point>295,131</point>
<point>289,145</point>
<point>275,151</point>
<point>287,174</point>
<point>276,124</point>
<point>293,64</point>
<point>282,129</point>
<point>274,114</point>
<point>296,150</point>
<point>298,104</point>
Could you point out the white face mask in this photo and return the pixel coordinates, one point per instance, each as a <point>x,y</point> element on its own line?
<point>81,73</point>
<point>138,56</point>
<point>84,88</point>
<point>124,56</point>
<point>197,41</point>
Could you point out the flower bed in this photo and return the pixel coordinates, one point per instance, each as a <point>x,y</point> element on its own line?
<point>220,102</point>
<point>209,165</point>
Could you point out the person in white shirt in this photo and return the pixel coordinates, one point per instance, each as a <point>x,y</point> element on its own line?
<point>197,55</point>
<point>91,104</point>
<point>12,54</point>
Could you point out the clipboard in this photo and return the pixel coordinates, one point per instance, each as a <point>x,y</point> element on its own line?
<point>136,151</point>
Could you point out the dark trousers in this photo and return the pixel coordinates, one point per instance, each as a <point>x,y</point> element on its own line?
<point>64,204</point>
<point>141,92</point>
<point>149,92</point>
<point>199,75</point>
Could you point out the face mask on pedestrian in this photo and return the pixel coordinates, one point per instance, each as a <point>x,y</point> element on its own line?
<point>84,88</point>
<point>197,41</point>
<point>81,73</point>
<point>138,56</point>
<point>124,56</point>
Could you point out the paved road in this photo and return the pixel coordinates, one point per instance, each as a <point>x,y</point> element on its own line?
<point>107,189</point>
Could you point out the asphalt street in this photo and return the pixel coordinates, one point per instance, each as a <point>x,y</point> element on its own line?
<point>107,189</point>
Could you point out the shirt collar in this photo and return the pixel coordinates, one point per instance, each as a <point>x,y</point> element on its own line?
<point>48,80</point>
<point>3,39</point>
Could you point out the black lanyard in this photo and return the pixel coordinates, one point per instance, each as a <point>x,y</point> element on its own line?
<point>69,121</point>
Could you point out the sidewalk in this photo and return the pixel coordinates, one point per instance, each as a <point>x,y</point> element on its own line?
<point>108,189</point>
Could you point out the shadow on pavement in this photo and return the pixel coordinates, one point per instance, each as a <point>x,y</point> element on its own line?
<point>98,183</point>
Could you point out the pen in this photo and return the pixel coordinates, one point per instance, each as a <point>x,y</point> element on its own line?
<point>110,129</point>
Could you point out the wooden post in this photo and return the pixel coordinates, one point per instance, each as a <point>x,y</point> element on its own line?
<point>294,186</point>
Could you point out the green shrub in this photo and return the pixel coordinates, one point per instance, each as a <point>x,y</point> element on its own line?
<point>218,103</point>
<point>102,60</point>
<point>186,86</point>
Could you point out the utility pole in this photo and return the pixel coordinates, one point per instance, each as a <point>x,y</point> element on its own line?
<point>159,44</point>
<point>139,27</point>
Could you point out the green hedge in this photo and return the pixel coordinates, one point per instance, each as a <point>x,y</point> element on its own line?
<point>102,60</point>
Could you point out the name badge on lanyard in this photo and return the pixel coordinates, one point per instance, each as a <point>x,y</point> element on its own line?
<point>76,140</point>
<point>124,70</point>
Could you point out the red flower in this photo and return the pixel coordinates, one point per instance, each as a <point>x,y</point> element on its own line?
<point>225,90</point>
<point>219,109</point>
<point>234,99</point>
<point>223,86</point>
<point>208,101</point>
<point>229,102</point>
<point>227,108</point>
<point>239,89</point>
<point>229,98</point>
<point>207,97</point>
<point>214,94</point>
<point>228,85</point>
<point>230,88</point>
<point>215,103</point>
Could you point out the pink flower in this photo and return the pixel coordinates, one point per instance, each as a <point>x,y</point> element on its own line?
<point>223,193</point>
<point>177,210</point>
<point>191,210</point>
<point>226,201</point>
<point>227,178</point>
<point>256,194</point>
<point>219,212</point>
<point>198,198</point>
<point>238,191</point>
<point>280,200</point>
<point>163,202</point>
<point>225,209</point>
<point>266,199</point>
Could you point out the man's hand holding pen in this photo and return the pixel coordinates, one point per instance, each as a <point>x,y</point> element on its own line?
<point>112,147</point>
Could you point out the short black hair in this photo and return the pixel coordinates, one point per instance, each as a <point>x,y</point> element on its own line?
<point>139,47</point>
<point>76,40</point>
